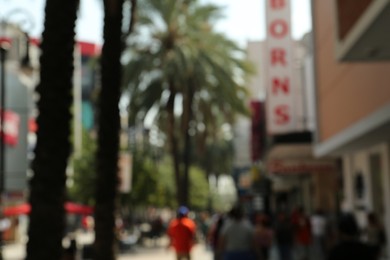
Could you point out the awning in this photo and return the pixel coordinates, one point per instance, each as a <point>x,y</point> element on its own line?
<point>295,159</point>
<point>290,151</point>
<point>367,132</point>
<point>25,208</point>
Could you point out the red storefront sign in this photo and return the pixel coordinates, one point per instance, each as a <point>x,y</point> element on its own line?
<point>299,166</point>
<point>11,128</point>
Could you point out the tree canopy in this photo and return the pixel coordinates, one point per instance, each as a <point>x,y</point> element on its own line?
<point>190,76</point>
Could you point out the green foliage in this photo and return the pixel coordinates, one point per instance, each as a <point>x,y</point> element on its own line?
<point>152,181</point>
<point>176,56</point>
<point>164,195</point>
<point>144,181</point>
<point>153,184</point>
<point>84,176</point>
<point>199,189</point>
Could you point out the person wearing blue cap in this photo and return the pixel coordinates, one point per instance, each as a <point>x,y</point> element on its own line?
<point>182,231</point>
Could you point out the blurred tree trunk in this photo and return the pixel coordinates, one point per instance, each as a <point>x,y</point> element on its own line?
<point>108,132</point>
<point>187,118</point>
<point>173,141</point>
<point>47,187</point>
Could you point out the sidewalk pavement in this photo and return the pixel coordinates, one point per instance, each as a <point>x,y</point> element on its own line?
<point>162,253</point>
<point>150,251</point>
<point>14,251</point>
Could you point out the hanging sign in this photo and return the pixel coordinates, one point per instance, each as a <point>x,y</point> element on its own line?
<point>11,128</point>
<point>280,117</point>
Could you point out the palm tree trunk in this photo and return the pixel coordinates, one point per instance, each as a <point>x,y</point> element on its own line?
<point>132,16</point>
<point>47,187</point>
<point>187,142</point>
<point>108,132</point>
<point>174,144</point>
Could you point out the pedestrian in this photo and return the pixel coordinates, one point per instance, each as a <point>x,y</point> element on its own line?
<point>263,235</point>
<point>237,237</point>
<point>284,236</point>
<point>214,234</point>
<point>350,247</point>
<point>182,234</point>
<point>71,251</point>
<point>157,228</point>
<point>318,230</point>
<point>302,233</point>
<point>374,232</point>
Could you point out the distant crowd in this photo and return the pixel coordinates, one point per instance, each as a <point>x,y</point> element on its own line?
<point>293,236</point>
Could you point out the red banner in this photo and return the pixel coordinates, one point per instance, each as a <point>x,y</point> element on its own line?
<point>257,130</point>
<point>11,128</point>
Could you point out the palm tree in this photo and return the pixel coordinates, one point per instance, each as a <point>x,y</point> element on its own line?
<point>47,193</point>
<point>108,132</point>
<point>184,61</point>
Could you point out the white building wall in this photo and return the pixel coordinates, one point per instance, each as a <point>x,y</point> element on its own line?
<point>347,203</point>
<point>309,93</point>
<point>359,161</point>
<point>256,84</point>
<point>241,139</point>
<point>386,185</point>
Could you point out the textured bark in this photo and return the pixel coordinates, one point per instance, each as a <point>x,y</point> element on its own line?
<point>132,16</point>
<point>108,132</point>
<point>188,110</point>
<point>174,143</point>
<point>47,187</point>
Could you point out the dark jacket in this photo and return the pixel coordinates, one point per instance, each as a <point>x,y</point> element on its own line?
<point>353,249</point>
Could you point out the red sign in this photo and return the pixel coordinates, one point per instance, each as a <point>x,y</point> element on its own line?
<point>11,128</point>
<point>70,207</point>
<point>300,166</point>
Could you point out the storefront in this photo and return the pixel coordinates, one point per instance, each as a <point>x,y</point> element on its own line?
<point>351,54</point>
<point>300,179</point>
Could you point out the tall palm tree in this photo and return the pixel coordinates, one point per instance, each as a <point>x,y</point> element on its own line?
<point>184,61</point>
<point>108,131</point>
<point>47,186</point>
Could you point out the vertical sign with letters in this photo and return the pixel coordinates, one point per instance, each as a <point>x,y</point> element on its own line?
<point>280,94</point>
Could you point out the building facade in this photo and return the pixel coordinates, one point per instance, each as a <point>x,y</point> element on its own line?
<point>353,101</point>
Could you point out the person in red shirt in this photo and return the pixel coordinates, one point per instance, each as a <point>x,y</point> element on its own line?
<point>302,232</point>
<point>182,231</point>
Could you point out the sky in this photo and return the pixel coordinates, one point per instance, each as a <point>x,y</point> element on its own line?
<point>244,19</point>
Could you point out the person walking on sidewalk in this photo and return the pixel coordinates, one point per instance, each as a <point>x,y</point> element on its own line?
<point>350,246</point>
<point>214,234</point>
<point>237,237</point>
<point>302,233</point>
<point>284,236</point>
<point>318,230</point>
<point>264,235</point>
<point>182,233</point>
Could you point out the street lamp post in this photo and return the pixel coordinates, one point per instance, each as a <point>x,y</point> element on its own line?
<point>25,64</point>
<point>3,52</point>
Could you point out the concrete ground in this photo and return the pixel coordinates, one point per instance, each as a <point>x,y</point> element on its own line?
<point>161,253</point>
<point>150,251</point>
